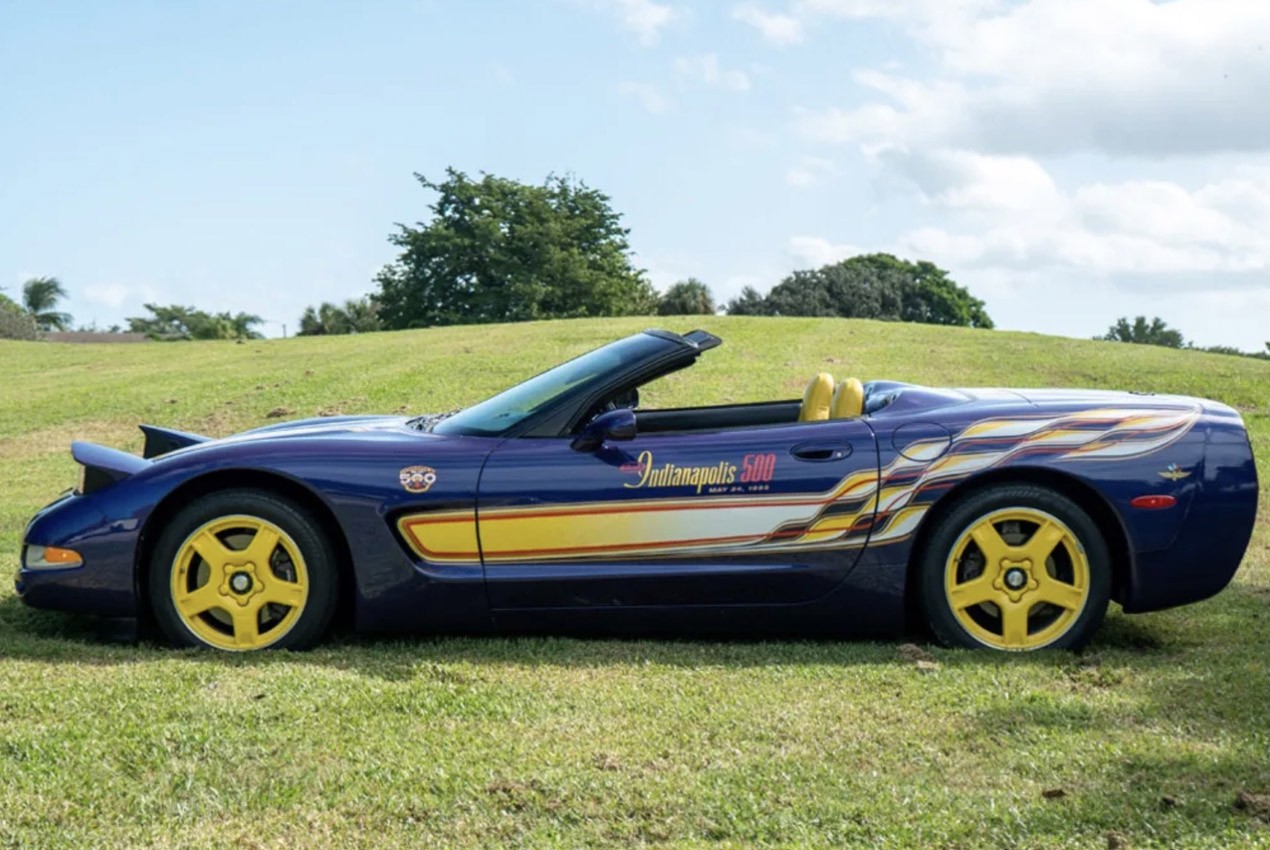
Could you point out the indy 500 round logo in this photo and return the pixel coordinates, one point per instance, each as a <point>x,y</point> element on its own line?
<point>417,479</point>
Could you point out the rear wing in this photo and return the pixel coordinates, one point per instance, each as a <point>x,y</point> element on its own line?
<point>160,441</point>
<point>103,466</point>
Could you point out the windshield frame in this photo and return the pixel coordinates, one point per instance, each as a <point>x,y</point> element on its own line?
<point>652,351</point>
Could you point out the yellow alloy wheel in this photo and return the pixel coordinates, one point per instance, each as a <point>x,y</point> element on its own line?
<point>239,582</point>
<point>1017,579</point>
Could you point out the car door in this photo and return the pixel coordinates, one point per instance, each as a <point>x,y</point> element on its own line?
<point>774,514</point>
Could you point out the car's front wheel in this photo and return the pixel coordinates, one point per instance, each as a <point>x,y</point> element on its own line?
<point>1016,567</point>
<point>242,570</point>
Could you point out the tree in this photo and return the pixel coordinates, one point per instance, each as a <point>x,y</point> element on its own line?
<point>496,250</point>
<point>1142,332</point>
<point>870,286</point>
<point>748,303</point>
<point>240,326</point>
<point>40,296</point>
<point>174,322</point>
<point>15,323</point>
<point>356,316</point>
<point>688,297</point>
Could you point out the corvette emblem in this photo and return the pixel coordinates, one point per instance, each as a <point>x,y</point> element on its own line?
<point>1175,473</point>
<point>417,479</point>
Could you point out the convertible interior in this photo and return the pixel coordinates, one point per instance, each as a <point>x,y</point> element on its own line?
<point>823,399</point>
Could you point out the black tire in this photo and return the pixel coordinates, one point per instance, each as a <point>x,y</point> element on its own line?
<point>1072,625</point>
<point>317,558</point>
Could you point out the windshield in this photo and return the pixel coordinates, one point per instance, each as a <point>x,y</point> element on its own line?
<point>495,415</point>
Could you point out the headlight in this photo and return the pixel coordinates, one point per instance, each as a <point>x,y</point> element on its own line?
<point>49,558</point>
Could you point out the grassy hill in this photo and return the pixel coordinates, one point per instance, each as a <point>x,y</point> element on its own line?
<point>1150,735</point>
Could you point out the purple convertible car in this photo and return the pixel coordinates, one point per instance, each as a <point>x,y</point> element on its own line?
<point>996,518</point>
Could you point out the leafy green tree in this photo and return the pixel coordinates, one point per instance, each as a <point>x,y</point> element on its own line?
<point>870,286</point>
<point>40,296</point>
<point>15,323</point>
<point>356,316</point>
<point>1143,332</point>
<point>496,250</point>
<point>748,303</point>
<point>688,297</point>
<point>174,322</point>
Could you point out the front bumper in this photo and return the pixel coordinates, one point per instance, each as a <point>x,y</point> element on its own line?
<point>105,584</point>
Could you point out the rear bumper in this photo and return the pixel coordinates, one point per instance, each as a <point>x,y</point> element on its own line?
<point>1211,543</point>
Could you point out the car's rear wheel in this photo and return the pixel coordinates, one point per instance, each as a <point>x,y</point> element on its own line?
<point>1015,568</point>
<point>242,570</point>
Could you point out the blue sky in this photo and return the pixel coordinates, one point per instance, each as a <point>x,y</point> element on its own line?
<point>1067,160</point>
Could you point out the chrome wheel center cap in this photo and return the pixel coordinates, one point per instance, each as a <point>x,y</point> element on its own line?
<point>1015,578</point>
<point>240,582</point>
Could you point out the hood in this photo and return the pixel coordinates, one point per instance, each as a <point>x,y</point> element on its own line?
<point>322,426</point>
<point>165,443</point>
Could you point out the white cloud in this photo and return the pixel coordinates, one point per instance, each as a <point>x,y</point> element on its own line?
<point>963,180</point>
<point>894,121</point>
<point>781,30</point>
<point>932,20</point>
<point>1127,77</point>
<point>1008,212</point>
<point>1066,153</point>
<point>811,171</point>
<point>815,251</point>
<point>644,18</point>
<point>648,96</point>
<point>706,69</point>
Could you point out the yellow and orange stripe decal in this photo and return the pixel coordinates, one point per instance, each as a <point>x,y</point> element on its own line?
<point>635,526</point>
<point>754,524</point>
<point>443,537</point>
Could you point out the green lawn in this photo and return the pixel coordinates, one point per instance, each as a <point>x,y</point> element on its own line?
<point>1148,736</point>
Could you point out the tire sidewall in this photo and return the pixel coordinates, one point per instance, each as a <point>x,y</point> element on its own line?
<point>301,526</point>
<point>965,514</point>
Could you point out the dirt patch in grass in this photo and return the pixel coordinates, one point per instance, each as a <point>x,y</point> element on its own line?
<point>57,438</point>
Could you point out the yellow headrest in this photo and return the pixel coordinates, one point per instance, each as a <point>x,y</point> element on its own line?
<point>848,399</point>
<point>817,398</point>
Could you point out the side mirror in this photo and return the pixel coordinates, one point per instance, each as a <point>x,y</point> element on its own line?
<point>614,425</point>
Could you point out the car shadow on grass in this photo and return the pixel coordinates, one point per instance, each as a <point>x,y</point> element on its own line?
<point>29,634</point>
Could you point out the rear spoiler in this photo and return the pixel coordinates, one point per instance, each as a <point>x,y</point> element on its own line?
<point>160,441</point>
<point>104,466</point>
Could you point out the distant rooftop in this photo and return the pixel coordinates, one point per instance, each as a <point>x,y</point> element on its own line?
<point>93,336</point>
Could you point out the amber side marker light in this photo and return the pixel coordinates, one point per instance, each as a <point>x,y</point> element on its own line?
<point>50,558</point>
<point>1153,503</point>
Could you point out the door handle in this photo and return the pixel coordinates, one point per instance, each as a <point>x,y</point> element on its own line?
<point>821,452</point>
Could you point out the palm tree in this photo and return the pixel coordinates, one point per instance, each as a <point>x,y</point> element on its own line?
<point>357,316</point>
<point>244,325</point>
<point>40,296</point>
